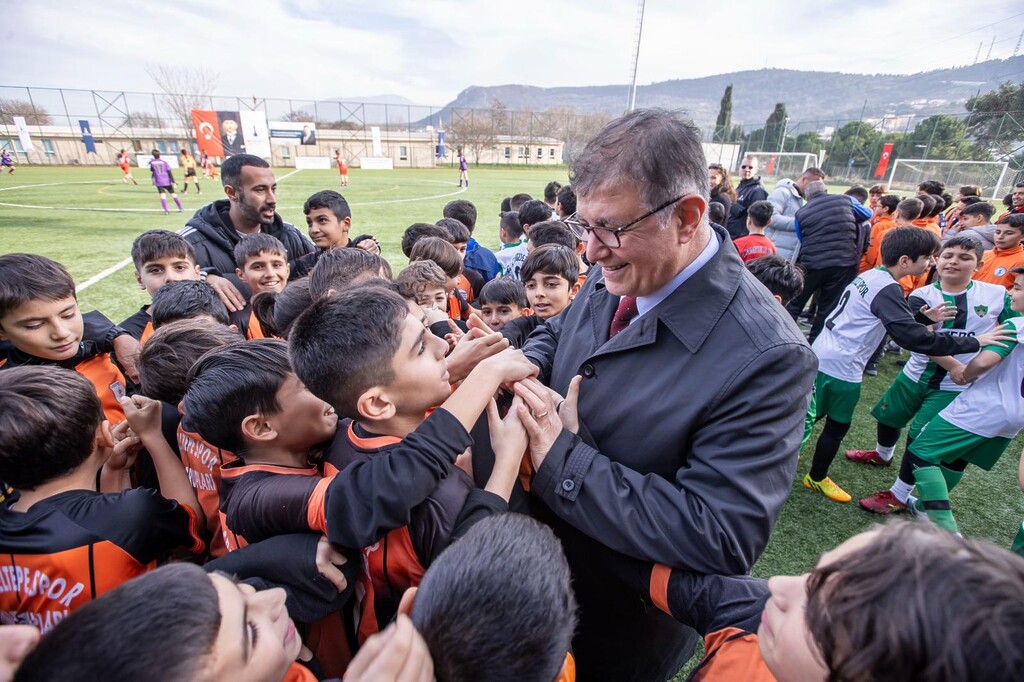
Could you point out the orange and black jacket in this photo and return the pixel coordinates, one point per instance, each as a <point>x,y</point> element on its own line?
<point>398,560</point>
<point>139,325</point>
<point>249,325</point>
<point>203,462</point>
<point>354,505</point>
<point>90,362</point>
<point>74,546</point>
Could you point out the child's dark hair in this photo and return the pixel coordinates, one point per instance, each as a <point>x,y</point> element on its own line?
<point>760,212</point>
<point>716,212</point>
<point>418,231</point>
<point>339,269</point>
<point>419,275</point>
<point>1015,220</point>
<point>927,205</point>
<point>889,202</point>
<point>912,242</point>
<point>345,344</point>
<point>516,201</point>
<point>147,634</point>
<point>552,259</point>
<point>489,589</point>
<point>551,191</point>
<point>970,200</point>
<point>156,244</point>
<point>932,187</point>
<point>553,232</point>
<point>982,208</point>
<point>909,209</point>
<point>463,211</point>
<point>967,243</point>
<point>940,204</point>
<point>969,191</point>
<point>277,311</point>
<point>533,212</point>
<point>251,246</point>
<point>946,588</point>
<point>170,352</point>
<point>458,233</point>
<point>185,300</point>
<point>504,291</point>
<point>567,198</point>
<point>439,251</point>
<point>510,223</point>
<point>329,199</point>
<point>48,421</point>
<point>229,383</point>
<point>28,277</point>
<point>878,189</point>
<point>857,192</point>
<point>778,275</point>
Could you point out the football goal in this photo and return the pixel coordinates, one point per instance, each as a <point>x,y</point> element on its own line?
<point>907,174</point>
<point>785,164</point>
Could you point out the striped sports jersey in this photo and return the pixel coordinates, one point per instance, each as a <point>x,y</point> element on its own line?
<point>993,406</point>
<point>872,305</point>
<point>979,308</point>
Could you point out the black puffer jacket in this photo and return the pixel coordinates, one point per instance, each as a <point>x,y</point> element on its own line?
<point>829,233</point>
<point>747,192</point>
<point>212,235</point>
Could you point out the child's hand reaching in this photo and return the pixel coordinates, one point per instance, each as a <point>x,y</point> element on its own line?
<point>508,441</point>
<point>510,365</point>
<point>126,448</point>
<point>143,415</point>
<point>940,312</point>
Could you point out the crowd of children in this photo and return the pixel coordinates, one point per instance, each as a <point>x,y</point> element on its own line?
<point>352,448</point>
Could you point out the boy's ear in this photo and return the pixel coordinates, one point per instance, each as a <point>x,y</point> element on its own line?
<point>199,271</point>
<point>256,427</point>
<point>406,604</point>
<point>581,248</point>
<point>375,404</point>
<point>777,298</point>
<point>241,276</point>
<point>574,289</point>
<point>138,278</point>
<point>103,438</point>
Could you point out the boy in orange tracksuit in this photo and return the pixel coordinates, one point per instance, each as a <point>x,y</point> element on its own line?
<point>997,265</point>
<point>883,221</point>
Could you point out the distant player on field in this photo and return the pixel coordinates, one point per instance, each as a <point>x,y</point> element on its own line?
<point>6,161</point>
<point>463,169</point>
<point>342,167</point>
<point>126,167</point>
<point>164,181</point>
<point>188,162</point>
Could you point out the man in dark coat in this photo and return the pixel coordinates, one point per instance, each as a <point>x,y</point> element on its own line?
<point>690,408</point>
<point>748,191</point>
<point>215,228</point>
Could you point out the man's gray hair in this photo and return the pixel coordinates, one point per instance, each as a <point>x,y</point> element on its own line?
<point>656,150</point>
<point>815,188</point>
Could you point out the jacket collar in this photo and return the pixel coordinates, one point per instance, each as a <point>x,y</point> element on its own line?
<point>689,313</point>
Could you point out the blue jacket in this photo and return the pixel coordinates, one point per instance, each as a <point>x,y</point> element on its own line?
<point>481,259</point>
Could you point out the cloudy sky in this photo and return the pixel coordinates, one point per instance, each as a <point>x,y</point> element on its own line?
<point>430,50</point>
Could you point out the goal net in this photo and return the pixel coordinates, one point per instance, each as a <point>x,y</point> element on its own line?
<point>785,164</point>
<point>907,174</point>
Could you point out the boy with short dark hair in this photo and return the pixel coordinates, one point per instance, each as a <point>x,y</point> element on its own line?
<point>716,212</point>
<point>470,282</point>
<point>872,305</point>
<point>367,354</point>
<point>883,220</point>
<point>163,366</point>
<point>160,256</point>
<point>974,221</point>
<point>783,280</point>
<point>339,269</point>
<point>551,277</point>
<point>1007,254</point>
<point>754,244</point>
<point>551,196</point>
<point>447,258</point>
<point>565,203</point>
<point>418,231</point>
<point>926,386</point>
<point>329,221</point>
<point>261,262</point>
<point>40,317</point>
<point>502,300</point>
<point>479,258</point>
<point>513,245</point>
<point>186,301</point>
<point>64,542</point>
<point>533,212</point>
<point>557,232</point>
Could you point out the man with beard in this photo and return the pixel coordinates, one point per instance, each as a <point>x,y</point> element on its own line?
<point>748,191</point>
<point>249,209</point>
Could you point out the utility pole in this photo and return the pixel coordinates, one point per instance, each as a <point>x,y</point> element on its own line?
<point>631,102</point>
<point>1020,40</point>
<point>990,46</point>
<point>977,55</point>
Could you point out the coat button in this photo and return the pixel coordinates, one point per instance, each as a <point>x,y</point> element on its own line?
<point>568,484</point>
<point>588,371</point>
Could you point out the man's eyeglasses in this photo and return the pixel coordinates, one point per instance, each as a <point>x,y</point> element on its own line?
<point>610,236</point>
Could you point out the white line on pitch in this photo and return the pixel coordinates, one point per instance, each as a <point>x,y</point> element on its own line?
<point>102,275</point>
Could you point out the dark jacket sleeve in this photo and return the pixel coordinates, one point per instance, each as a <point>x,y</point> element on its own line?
<point>714,517</point>
<point>541,345</point>
<point>259,507</point>
<point>371,497</point>
<point>146,525</point>
<point>518,330</point>
<point>289,561</point>
<point>893,310</point>
<point>708,603</point>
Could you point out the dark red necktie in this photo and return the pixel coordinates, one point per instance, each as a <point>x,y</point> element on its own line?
<point>626,311</point>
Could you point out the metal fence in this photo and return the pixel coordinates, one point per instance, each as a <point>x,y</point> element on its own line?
<point>851,146</point>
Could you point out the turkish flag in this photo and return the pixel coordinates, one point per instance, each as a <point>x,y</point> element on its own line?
<point>883,160</point>
<point>207,132</point>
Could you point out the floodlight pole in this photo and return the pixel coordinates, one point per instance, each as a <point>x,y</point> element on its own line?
<point>631,102</point>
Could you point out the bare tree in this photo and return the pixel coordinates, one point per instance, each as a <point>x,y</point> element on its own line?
<point>34,115</point>
<point>142,119</point>
<point>472,130</point>
<point>298,116</point>
<point>184,88</point>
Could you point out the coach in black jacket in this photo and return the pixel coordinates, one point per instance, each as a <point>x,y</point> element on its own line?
<point>749,190</point>
<point>690,417</point>
<point>214,230</point>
